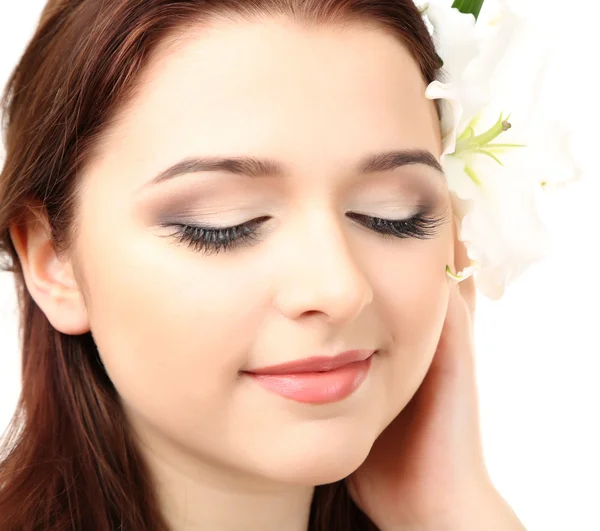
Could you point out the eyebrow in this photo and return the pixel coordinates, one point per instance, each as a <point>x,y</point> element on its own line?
<point>256,167</point>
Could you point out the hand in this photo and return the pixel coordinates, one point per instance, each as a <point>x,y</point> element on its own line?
<point>426,471</point>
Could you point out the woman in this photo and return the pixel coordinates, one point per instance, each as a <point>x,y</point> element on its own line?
<point>230,230</point>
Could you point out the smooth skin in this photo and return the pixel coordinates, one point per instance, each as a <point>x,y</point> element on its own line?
<point>427,469</point>
<point>176,327</point>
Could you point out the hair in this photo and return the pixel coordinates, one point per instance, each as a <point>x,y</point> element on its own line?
<point>68,459</point>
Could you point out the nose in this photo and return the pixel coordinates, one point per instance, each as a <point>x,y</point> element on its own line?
<point>319,274</point>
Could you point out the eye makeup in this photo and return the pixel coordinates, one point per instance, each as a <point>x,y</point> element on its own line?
<point>229,217</point>
<point>213,240</point>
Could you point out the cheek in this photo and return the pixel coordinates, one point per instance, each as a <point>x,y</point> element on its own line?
<point>411,286</point>
<point>413,294</point>
<point>171,328</point>
<point>414,299</point>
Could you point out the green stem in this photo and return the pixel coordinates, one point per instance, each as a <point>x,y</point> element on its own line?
<point>491,155</point>
<point>505,146</point>
<point>472,175</point>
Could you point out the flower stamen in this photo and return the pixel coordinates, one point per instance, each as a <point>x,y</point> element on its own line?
<point>469,144</point>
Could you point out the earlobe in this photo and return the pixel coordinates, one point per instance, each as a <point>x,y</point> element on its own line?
<point>49,278</point>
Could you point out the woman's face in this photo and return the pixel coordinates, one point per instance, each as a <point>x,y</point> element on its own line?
<point>179,325</point>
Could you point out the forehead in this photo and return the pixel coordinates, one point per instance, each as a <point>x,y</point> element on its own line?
<point>309,95</point>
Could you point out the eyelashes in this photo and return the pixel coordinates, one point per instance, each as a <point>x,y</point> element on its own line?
<point>213,240</point>
<point>420,226</point>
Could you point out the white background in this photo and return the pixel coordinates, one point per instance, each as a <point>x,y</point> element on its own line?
<point>537,348</point>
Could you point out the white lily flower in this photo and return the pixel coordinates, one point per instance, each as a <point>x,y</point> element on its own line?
<point>496,167</point>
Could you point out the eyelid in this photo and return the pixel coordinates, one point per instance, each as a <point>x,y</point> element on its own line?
<point>215,227</point>
<point>187,222</point>
<point>392,214</point>
<point>215,240</point>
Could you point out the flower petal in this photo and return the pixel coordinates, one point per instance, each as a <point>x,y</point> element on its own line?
<point>493,69</point>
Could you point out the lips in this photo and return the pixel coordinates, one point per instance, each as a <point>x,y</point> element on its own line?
<point>317,380</point>
<point>316,363</point>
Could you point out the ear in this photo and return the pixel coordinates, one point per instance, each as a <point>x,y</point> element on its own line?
<point>461,261</point>
<point>49,278</point>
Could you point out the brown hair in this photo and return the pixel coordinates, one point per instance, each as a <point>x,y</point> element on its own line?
<point>68,460</point>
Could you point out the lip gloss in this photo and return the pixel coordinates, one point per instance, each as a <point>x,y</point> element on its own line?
<point>317,387</point>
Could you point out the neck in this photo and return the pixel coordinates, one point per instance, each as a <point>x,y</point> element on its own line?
<point>197,495</point>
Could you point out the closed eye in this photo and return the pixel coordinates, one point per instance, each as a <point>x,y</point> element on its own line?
<point>212,240</point>
<point>419,226</point>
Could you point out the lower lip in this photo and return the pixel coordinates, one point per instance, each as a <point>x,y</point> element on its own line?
<point>317,387</point>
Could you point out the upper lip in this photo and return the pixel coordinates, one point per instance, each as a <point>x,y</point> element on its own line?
<point>316,363</point>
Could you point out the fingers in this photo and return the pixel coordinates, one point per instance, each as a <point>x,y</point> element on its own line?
<point>454,358</point>
<point>461,261</point>
<point>459,317</point>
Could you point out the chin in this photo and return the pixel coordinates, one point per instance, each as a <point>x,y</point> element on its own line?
<point>319,461</point>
